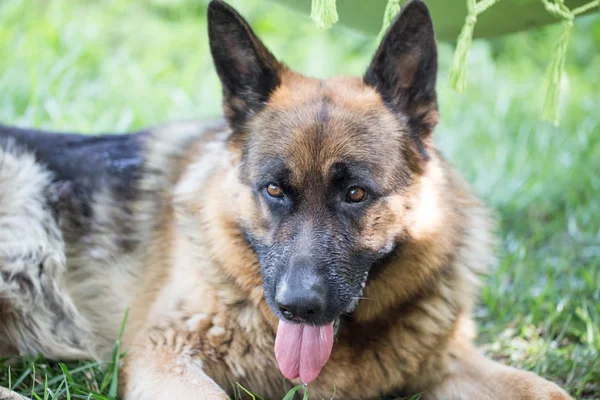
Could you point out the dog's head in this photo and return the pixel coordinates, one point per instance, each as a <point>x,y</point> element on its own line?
<point>329,163</point>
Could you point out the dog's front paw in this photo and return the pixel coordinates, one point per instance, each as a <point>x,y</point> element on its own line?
<point>171,393</point>
<point>551,393</point>
<point>529,386</point>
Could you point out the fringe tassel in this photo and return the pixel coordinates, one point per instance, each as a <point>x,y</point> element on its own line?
<point>554,75</point>
<point>556,69</point>
<point>324,13</point>
<point>391,10</point>
<point>458,72</point>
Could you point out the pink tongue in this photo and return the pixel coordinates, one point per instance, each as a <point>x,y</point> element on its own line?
<point>302,350</point>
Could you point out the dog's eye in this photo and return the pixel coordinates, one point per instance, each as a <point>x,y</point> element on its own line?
<point>356,195</point>
<point>274,191</point>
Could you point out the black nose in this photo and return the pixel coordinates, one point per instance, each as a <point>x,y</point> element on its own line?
<point>301,294</point>
<point>301,305</point>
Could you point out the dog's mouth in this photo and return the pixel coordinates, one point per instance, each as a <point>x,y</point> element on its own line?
<point>302,350</point>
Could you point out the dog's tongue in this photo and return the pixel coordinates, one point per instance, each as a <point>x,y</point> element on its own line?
<point>302,350</point>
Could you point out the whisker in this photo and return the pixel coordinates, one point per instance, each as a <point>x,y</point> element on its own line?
<point>364,298</point>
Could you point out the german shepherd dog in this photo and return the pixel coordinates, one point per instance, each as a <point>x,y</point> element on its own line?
<point>315,235</point>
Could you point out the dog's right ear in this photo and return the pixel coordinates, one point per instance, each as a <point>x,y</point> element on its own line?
<point>404,68</point>
<point>249,73</point>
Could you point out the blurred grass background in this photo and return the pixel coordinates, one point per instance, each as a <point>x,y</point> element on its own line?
<point>118,65</point>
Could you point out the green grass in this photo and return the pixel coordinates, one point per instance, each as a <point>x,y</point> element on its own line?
<point>109,65</point>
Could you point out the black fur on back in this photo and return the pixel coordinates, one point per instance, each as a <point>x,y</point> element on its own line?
<point>85,164</point>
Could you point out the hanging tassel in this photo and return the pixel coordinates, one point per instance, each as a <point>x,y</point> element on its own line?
<point>554,75</point>
<point>556,70</point>
<point>391,10</point>
<point>324,13</point>
<point>458,72</point>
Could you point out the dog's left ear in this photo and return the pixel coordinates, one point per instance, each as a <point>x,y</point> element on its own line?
<point>249,73</point>
<point>404,68</point>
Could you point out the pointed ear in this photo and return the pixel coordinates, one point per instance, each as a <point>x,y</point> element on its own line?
<point>404,68</point>
<point>248,71</point>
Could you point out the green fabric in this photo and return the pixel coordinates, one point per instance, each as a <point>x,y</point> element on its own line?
<point>324,12</point>
<point>508,16</point>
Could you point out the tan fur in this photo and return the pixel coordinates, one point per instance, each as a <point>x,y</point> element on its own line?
<point>407,337</point>
<point>199,323</point>
<point>198,319</point>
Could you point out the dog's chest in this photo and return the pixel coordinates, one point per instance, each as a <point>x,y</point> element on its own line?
<point>221,325</point>
<point>232,341</point>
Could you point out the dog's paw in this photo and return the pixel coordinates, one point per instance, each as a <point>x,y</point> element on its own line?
<point>551,393</point>
<point>6,394</point>
<point>529,386</point>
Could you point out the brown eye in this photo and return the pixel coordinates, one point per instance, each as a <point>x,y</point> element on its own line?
<point>356,195</point>
<point>274,190</point>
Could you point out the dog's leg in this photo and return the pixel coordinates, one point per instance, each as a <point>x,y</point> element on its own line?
<point>37,314</point>
<point>473,376</point>
<point>163,366</point>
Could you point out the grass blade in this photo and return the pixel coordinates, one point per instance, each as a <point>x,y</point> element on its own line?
<point>68,378</point>
<point>253,395</point>
<point>32,379</point>
<point>334,392</point>
<point>290,395</point>
<point>46,393</point>
<point>74,371</point>
<point>247,392</point>
<point>58,390</point>
<point>114,384</point>
<point>587,378</point>
<point>21,378</point>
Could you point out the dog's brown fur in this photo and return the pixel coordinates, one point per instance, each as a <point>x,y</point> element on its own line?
<point>199,322</point>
